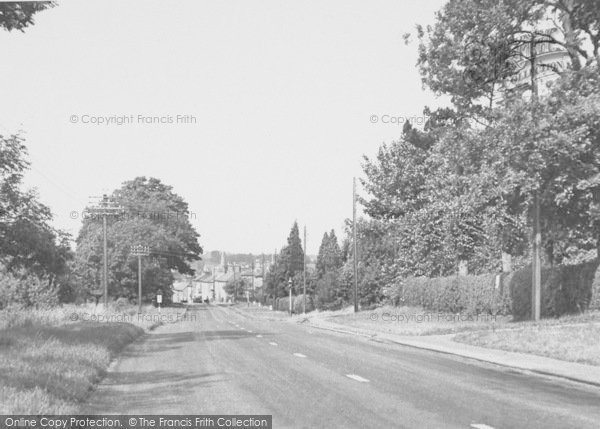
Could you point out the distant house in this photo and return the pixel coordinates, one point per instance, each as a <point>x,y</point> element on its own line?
<point>220,282</point>
<point>209,286</point>
<point>182,290</point>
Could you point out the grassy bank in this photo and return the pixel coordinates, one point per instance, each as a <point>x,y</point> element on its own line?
<point>49,369</point>
<point>569,340</point>
<point>51,359</point>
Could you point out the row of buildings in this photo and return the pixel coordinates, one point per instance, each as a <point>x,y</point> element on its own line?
<point>208,284</point>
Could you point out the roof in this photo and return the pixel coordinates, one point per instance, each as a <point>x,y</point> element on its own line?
<point>225,277</point>
<point>204,278</point>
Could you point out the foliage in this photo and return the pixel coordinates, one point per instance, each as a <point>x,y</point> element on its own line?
<point>29,246</point>
<point>330,255</point>
<point>19,15</point>
<point>24,289</point>
<point>237,289</point>
<point>154,216</point>
<point>566,289</point>
<point>288,264</point>
<point>469,295</point>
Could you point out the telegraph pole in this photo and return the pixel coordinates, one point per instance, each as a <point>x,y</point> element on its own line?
<point>105,208</point>
<point>354,243</point>
<point>140,251</point>
<point>304,274</point>
<point>536,263</point>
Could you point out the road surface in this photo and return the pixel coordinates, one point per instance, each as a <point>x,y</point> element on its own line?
<point>222,362</point>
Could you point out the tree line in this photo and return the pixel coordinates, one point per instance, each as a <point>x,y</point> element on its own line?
<point>459,194</point>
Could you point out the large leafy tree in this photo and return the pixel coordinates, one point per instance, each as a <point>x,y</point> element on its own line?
<point>154,216</point>
<point>477,47</point>
<point>29,245</point>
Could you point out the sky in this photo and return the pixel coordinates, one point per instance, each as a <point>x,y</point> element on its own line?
<point>265,108</point>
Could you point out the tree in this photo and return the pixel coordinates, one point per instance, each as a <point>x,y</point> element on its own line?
<point>154,216</point>
<point>330,255</point>
<point>237,289</point>
<point>19,15</point>
<point>476,47</point>
<point>29,246</point>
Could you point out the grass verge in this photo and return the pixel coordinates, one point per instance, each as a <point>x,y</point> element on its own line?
<point>50,359</point>
<point>50,369</point>
<point>575,343</point>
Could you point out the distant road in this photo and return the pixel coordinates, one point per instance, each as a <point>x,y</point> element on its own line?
<point>225,363</point>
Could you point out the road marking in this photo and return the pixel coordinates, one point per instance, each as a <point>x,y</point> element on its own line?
<point>480,426</point>
<point>259,336</point>
<point>357,378</point>
<point>273,344</point>
<point>249,331</point>
<point>300,355</point>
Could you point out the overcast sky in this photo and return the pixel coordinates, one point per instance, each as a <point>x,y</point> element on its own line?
<point>283,93</point>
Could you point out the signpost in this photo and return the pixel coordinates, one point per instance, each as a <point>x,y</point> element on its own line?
<point>290,286</point>
<point>159,299</point>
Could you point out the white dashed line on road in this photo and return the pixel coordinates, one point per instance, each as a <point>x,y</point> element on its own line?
<point>273,344</point>
<point>300,355</point>
<point>249,331</point>
<point>357,378</point>
<point>480,426</point>
<point>259,336</point>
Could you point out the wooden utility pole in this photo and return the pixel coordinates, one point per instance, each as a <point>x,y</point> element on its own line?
<point>304,275</point>
<point>140,251</point>
<point>105,208</point>
<point>354,244</point>
<point>536,263</point>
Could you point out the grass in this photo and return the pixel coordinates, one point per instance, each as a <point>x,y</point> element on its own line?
<point>49,362</point>
<point>414,321</point>
<point>50,369</point>
<point>580,343</point>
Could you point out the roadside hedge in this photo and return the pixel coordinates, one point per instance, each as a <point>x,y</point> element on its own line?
<point>283,304</point>
<point>298,304</point>
<point>456,294</point>
<point>566,289</point>
<point>595,298</point>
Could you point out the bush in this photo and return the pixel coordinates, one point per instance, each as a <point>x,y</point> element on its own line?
<point>283,304</point>
<point>595,292</point>
<point>26,290</point>
<point>566,289</point>
<point>455,294</point>
<point>298,304</point>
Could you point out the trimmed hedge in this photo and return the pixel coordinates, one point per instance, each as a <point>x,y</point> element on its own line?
<point>283,304</point>
<point>565,289</point>
<point>464,294</point>
<point>595,295</point>
<point>298,304</point>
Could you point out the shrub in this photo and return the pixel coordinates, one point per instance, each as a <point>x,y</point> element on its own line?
<point>566,289</point>
<point>298,304</point>
<point>455,294</point>
<point>284,304</point>
<point>595,292</point>
<point>329,289</point>
<point>26,290</point>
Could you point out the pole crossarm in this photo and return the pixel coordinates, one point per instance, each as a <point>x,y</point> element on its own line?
<point>140,250</point>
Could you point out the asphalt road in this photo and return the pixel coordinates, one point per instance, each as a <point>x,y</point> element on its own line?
<point>221,362</point>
